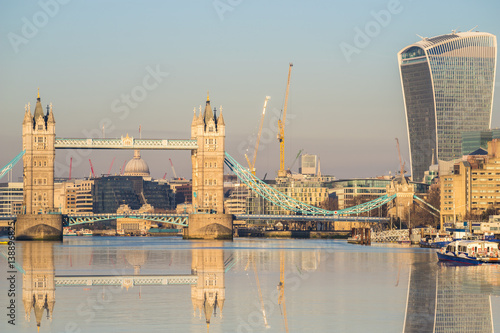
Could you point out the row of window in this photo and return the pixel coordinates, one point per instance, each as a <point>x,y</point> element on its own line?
<point>210,165</point>
<point>210,141</point>
<point>39,163</point>
<point>40,181</point>
<point>210,181</point>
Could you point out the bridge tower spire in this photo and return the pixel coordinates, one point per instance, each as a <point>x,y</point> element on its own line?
<point>38,176</point>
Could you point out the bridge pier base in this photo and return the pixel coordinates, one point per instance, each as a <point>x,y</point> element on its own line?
<point>209,226</point>
<point>39,227</point>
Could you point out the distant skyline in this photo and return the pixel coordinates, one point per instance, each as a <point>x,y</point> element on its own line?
<point>122,64</point>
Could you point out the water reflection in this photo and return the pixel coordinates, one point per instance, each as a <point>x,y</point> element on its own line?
<point>99,288</point>
<point>39,291</point>
<point>450,298</point>
<point>209,293</point>
<point>207,278</point>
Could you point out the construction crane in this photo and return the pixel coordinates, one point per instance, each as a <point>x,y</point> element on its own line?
<point>281,288</point>
<point>113,161</point>
<point>252,165</point>
<point>281,129</point>
<point>295,160</point>
<point>173,170</point>
<point>122,170</point>
<point>401,164</point>
<point>70,166</point>
<point>91,168</point>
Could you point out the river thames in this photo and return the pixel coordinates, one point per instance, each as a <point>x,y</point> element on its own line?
<point>166,284</point>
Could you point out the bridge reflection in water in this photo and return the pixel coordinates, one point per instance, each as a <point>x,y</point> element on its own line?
<point>207,279</point>
<point>450,298</point>
<point>441,298</point>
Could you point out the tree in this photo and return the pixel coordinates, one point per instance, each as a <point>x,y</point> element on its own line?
<point>422,216</point>
<point>331,203</point>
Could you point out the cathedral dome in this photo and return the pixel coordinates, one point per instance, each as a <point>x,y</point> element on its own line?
<point>136,166</point>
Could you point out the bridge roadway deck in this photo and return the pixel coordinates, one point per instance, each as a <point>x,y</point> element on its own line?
<point>182,219</point>
<point>124,280</point>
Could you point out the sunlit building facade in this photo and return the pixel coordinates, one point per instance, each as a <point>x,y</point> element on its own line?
<point>447,84</point>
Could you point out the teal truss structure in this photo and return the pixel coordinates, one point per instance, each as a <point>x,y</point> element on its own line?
<point>75,219</point>
<point>280,199</point>
<point>9,165</point>
<point>126,143</point>
<point>125,280</point>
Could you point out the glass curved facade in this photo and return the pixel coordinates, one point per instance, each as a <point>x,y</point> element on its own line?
<point>447,86</point>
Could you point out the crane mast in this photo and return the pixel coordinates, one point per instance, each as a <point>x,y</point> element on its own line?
<point>251,165</point>
<point>281,128</point>
<point>401,164</point>
<point>173,170</point>
<point>91,168</point>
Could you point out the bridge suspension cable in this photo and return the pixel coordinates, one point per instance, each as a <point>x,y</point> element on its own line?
<point>282,200</point>
<point>9,165</point>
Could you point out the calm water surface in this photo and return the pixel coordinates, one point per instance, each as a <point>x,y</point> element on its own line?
<point>120,284</point>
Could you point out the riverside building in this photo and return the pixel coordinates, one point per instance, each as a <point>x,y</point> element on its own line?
<point>472,187</point>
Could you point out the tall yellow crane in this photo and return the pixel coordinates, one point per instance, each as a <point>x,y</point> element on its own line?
<point>252,165</point>
<point>281,128</point>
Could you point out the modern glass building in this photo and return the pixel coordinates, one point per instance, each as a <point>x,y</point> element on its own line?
<point>474,140</point>
<point>447,86</point>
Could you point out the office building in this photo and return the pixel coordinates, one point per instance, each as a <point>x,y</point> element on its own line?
<point>308,164</point>
<point>11,198</point>
<point>474,140</point>
<point>472,188</point>
<point>447,84</point>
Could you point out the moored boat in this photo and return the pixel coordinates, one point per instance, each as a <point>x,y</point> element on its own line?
<point>87,232</point>
<point>69,232</point>
<point>435,243</point>
<point>470,252</point>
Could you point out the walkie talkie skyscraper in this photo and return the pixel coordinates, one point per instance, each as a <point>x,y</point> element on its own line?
<point>448,83</point>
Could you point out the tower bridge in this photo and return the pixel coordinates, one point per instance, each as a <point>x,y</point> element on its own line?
<point>41,220</point>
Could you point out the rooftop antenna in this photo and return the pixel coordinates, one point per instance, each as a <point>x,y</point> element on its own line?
<point>454,31</point>
<point>472,29</point>
<point>421,37</point>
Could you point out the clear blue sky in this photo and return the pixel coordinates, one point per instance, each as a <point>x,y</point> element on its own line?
<point>86,54</point>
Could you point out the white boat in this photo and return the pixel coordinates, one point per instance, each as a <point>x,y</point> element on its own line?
<point>472,252</point>
<point>87,232</point>
<point>69,232</point>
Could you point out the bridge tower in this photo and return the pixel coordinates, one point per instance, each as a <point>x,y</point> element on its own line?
<point>38,177</point>
<point>208,220</point>
<point>404,198</point>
